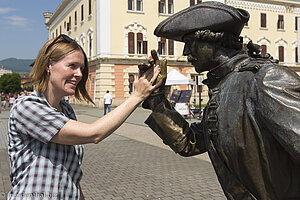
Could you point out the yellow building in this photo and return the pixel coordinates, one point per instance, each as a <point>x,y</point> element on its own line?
<point>117,35</point>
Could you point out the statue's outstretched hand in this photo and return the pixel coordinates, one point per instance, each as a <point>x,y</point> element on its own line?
<point>156,96</point>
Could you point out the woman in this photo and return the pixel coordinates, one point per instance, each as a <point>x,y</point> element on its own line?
<point>45,140</point>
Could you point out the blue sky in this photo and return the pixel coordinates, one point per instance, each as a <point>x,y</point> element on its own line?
<point>22,28</point>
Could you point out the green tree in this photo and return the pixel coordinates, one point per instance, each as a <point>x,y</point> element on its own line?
<point>10,83</point>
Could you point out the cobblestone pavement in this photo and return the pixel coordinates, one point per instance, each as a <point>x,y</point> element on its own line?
<point>132,164</point>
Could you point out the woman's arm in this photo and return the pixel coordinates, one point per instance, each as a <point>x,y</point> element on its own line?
<point>74,132</point>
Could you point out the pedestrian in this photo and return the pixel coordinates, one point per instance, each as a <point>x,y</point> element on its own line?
<point>250,126</point>
<point>107,102</point>
<point>11,100</point>
<point>25,93</point>
<point>3,101</point>
<point>66,99</point>
<point>44,138</point>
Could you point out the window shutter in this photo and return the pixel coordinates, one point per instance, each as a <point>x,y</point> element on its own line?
<point>171,47</point>
<point>296,23</point>
<point>281,54</point>
<point>296,55</point>
<point>145,47</point>
<point>82,12</point>
<point>263,50</point>
<point>263,20</point>
<point>159,7</point>
<point>131,43</point>
<point>159,48</point>
<point>139,36</point>
<point>90,7</point>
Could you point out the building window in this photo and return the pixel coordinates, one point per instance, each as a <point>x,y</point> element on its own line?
<point>280,22</point>
<point>131,81</point>
<point>90,7</point>
<point>193,2</point>
<point>69,24</point>
<point>162,46</point>
<point>263,20</point>
<point>90,45</point>
<point>131,43</point>
<point>162,6</point>
<point>170,7</point>
<point>139,5</point>
<point>171,47</point>
<point>195,79</point>
<point>59,29</point>
<point>296,55</point>
<point>82,12</point>
<point>296,23</point>
<point>281,54</point>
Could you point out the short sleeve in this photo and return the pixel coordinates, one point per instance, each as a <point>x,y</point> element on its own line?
<point>34,117</point>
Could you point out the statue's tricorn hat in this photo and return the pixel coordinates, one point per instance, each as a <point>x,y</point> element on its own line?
<point>211,15</point>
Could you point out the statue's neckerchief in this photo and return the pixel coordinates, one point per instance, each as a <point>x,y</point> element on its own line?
<point>218,73</point>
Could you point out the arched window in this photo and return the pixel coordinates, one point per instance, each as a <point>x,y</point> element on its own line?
<point>90,43</point>
<point>162,46</point>
<point>193,2</point>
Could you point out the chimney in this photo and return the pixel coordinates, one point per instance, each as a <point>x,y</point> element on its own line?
<point>47,16</point>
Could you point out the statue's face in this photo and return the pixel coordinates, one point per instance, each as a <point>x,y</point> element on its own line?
<point>199,53</point>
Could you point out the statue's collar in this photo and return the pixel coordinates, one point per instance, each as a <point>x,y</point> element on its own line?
<point>215,75</point>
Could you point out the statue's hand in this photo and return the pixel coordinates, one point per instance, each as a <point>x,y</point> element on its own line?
<point>154,98</point>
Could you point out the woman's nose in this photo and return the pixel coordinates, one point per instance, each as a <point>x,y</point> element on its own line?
<point>78,72</point>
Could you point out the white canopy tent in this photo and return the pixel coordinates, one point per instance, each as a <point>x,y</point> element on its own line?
<point>176,78</point>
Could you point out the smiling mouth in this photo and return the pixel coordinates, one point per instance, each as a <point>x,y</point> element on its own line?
<point>72,82</point>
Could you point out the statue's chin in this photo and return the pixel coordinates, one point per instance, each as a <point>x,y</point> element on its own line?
<point>200,68</point>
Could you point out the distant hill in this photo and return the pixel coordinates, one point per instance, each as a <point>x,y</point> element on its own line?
<point>17,65</point>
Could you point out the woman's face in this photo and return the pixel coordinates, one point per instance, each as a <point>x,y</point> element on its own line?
<point>66,73</point>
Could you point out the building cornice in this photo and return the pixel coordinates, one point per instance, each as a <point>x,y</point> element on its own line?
<point>126,61</point>
<point>268,5</point>
<point>62,10</point>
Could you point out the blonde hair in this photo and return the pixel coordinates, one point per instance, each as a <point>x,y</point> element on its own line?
<point>53,53</point>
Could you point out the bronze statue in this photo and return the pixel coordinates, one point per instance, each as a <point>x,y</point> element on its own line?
<point>251,124</point>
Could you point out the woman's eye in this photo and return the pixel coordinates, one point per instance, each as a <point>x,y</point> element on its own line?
<point>72,66</point>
